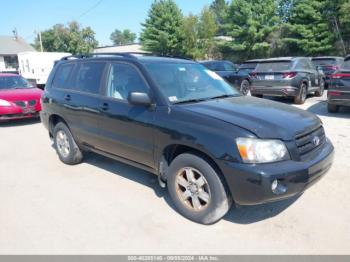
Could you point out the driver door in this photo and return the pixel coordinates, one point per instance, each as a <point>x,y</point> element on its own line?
<point>126,129</point>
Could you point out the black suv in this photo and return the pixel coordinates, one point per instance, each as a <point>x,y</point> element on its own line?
<point>288,77</point>
<point>339,88</point>
<point>211,146</point>
<point>328,64</point>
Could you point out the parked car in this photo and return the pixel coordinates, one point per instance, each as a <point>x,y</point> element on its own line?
<point>241,79</point>
<point>207,143</point>
<point>287,77</point>
<point>225,69</point>
<point>339,89</point>
<point>328,64</point>
<point>18,98</point>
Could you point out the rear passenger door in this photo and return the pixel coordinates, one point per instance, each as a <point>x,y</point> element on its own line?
<point>79,101</point>
<point>126,129</point>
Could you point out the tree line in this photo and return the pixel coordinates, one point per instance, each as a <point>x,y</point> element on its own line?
<point>235,30</point>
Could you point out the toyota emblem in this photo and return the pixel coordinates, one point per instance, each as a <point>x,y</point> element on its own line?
<point>316,140</point>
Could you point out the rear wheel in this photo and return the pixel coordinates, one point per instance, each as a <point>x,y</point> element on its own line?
<point>66,148</point>
<point>197,190</point>
<point>245,87</point>
<point>301,97</point>
<point>332,108</point>
<point>320,91</point>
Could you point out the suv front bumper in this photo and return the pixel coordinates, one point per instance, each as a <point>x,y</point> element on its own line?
<point>250,184</point>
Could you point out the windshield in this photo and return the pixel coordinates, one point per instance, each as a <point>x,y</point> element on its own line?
<point>275,66</point>
<point>181,82</point>
<point>322,62</point>
<point>14,82</point>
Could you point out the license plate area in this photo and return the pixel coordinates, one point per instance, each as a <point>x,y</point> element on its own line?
<point>269,77</point>
<point>29,110</point>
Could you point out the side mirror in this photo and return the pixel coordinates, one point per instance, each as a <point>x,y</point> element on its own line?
<point>141,99</point>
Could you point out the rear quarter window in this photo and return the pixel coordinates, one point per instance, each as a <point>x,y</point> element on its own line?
<point>88,77</point>
<point>62,76</point>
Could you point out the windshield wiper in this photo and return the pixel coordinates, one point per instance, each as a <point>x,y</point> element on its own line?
<point>204,99</point>
<point>190,101</point>
<point>222,96</point>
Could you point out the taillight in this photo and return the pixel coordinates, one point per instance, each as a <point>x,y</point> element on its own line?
<point>289,74</point>
<point>340,75</point>
<point>253,74</point>
<point>332,67</point>
<point>333,93</point>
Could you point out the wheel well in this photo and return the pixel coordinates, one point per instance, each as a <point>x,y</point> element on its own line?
<point>53,121</point>
<point>172,151</point>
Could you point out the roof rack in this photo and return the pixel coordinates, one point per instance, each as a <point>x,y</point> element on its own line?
<point>132,55</point>
<point>127,55</point>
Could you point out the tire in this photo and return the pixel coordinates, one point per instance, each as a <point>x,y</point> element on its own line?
<point>245,87</point>
<point>206,199</point>
<point>301,97</point>
<point>332,108</point>
<point>66,148</point>
<point>320,91</point>
<point>259,96</point>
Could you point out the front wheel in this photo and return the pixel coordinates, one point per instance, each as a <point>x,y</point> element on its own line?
<point>197,189</point>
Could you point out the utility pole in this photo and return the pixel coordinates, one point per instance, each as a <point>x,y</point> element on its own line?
<point>41,42</point>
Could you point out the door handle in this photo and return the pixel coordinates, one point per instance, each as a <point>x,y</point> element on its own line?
<point>104,106</point>
<point>67,97</point>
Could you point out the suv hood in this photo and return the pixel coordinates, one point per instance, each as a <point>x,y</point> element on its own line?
<point>264,118</point>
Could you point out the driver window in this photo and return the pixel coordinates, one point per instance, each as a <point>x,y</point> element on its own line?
<point>122,80</point>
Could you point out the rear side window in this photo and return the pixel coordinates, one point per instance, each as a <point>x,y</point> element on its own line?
<point>88,77</point>
<point>62,76</point>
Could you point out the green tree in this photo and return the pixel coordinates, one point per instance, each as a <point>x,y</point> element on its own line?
<point>71,38</point>
<point>219,8</point>
<point>162,31</point>
<point>307,31</point>
<point>200,32</point>
<point>124,37</point>
<point>250,23</point>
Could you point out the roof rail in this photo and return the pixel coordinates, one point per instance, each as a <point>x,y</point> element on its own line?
<point>127,55</point>
<point>132,55</point>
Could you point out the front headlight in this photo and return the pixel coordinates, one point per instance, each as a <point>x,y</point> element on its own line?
<point>4,103</point>
<point>254,150</point>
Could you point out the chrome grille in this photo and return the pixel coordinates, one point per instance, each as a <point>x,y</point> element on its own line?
<point>305,142</point>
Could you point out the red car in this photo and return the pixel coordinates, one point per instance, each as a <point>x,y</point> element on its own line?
<point>18,98</point>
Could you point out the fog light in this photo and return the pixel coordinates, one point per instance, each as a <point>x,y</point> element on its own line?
<point>277,187</point>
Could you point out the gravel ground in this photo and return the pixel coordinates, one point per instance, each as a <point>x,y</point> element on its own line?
<point>105,207</point>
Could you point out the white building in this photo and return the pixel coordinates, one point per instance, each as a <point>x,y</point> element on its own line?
<point>120,49</point>
<point>9,48</point>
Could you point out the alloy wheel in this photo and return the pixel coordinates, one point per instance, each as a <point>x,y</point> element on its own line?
<point>193,189</point>
<point>62,143</point>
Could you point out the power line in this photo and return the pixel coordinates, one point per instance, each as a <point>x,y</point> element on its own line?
<point>90,9</point>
